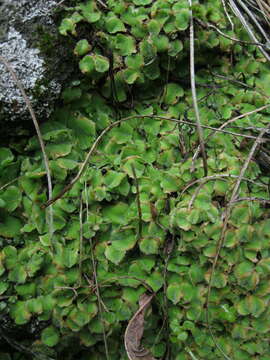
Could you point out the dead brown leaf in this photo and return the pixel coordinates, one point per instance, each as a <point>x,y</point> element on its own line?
<point>134,332</point>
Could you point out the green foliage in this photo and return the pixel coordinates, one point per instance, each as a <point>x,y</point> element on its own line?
<point>50,336</point>
<point>106,249</point>
<point>134,36</point>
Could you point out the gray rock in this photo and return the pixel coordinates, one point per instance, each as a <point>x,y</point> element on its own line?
<point>23,23</point>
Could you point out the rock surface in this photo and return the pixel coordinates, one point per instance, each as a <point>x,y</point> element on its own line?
<point>23,24</point>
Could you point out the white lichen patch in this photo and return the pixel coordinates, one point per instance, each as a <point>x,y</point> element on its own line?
<point>20,18</point>
<point>25,61</point>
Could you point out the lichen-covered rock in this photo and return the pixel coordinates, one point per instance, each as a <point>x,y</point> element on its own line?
<point>29,41</point>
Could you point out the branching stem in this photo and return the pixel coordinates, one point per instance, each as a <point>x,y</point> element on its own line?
<point>118,122</point>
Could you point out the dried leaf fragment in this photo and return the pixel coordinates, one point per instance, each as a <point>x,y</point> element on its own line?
<point>134,332</point>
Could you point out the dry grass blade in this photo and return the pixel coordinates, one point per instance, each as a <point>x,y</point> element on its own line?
<point>81,240</point>
<point>192,356</point>
<point>102,4</point>
<point>134,332</point>
<point>97,286</point>
<point>139,235</point>
<point>254,19</point>
<point>240,14</point>
<point>194,95</point>
<point>227,14</point>
<point>41,142</point>
<point>265,9</point>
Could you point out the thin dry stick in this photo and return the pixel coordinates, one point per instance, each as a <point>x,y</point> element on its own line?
<point>216,177</point>
<point>253,6</point>
<point>102,4</point>
<point>247,27</point>
<point>264,201</point>
<point>162,96</point>
<point>226,216</point>
<point>139,236</point>
<point>129,277</point>
<point>196,192</point>
<point>168,250</point>
<point>93,288</point>
<point>41,142</point>
<point>118,122</point>
<point>68,288</point>
<point>193,357</point>
<point>227,14</point>
<point>229,122</point>
<point>240,83</point>
<point>243,115</point>
<point>56,6</point>
<point>211,26</point>
<point>193,90</point>
<point>10,182</point>
<point>100,302</point>
<point>21,348</point>
<point>264,10</point>
<point>252,128</point>
<point>253,17</point>
<point>81,241</point>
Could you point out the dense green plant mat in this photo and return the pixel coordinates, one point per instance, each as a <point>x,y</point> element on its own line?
<point>131,224</point>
